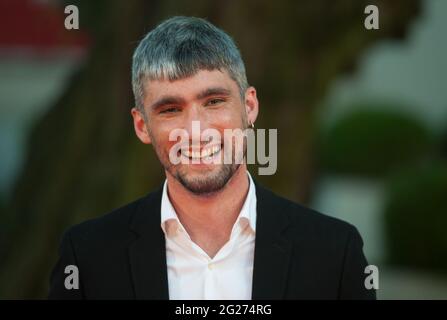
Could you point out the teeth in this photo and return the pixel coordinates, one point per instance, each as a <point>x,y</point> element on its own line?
<point>199,155</point>
<point>206,153</point>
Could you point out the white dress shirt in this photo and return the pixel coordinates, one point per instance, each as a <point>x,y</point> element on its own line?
<point>192,274</point>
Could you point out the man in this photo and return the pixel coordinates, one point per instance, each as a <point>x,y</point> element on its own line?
<point>210,231</point>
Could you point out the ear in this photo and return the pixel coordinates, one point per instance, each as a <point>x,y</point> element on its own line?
<point>251,105</point>
<point>140,126</point>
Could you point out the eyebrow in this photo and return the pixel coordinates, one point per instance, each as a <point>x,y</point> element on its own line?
<point>214,91</point>
<point>167,100</point>
<point>171,100</point>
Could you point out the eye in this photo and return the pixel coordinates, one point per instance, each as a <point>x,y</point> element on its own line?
<point>170,110</point>
<point>214,101</point>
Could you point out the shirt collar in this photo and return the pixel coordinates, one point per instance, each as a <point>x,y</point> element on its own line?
<point>168,214</point>
<point>248,210</point>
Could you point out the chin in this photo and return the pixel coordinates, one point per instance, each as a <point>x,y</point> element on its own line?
<point>206,181</point>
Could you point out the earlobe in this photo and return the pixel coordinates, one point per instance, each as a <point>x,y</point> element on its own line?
<point>251,104</point>
<point>140,126</point>
<point>147,137</point>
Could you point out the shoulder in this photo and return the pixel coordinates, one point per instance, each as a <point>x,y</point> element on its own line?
<point>107,223</point>
<point>115,227</point>
<point>305,222</point>
<point>315,221</point>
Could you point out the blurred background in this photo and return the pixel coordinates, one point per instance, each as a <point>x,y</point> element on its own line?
<point>361,118</point>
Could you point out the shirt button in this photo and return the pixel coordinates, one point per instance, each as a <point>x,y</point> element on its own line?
<point>210,266</point>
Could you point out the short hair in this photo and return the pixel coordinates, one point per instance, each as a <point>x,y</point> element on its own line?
<point>179,47</point>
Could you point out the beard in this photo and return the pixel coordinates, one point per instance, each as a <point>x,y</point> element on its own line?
<point>209,182</point>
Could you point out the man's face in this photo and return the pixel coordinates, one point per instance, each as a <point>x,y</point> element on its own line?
<point>213,99</point>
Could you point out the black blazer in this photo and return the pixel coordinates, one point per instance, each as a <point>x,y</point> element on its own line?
<point>299,254</point>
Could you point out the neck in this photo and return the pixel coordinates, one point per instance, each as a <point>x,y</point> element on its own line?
<point>211,215</point>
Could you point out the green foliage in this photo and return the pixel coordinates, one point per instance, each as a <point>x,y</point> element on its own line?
<point>416,217</point>
<point>443,145</point>
<point>373,142</point>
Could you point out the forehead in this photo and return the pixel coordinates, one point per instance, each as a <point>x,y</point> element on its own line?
<point>189,87</point>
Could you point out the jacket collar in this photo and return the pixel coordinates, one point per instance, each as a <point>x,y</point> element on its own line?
<point>147,254</point>
<point>272,250</point>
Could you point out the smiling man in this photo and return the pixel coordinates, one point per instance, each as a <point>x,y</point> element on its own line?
<point>210,231</point>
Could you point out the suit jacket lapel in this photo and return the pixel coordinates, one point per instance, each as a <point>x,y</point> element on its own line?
<point>147,254</point>
<point>272,250</point>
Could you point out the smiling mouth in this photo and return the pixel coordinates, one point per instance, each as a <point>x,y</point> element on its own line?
<point>204,153</point>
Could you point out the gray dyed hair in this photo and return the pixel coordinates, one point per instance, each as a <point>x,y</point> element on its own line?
<point>180,47</point>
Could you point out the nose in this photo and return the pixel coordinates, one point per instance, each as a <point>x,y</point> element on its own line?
<point>195,122</point>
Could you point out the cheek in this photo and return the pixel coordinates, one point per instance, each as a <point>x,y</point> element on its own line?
<point>162,141</point>
<point>232,118</point>
<point>158,134</point>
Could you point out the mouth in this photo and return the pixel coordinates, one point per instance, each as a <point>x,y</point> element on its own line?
<point>206,152</point>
